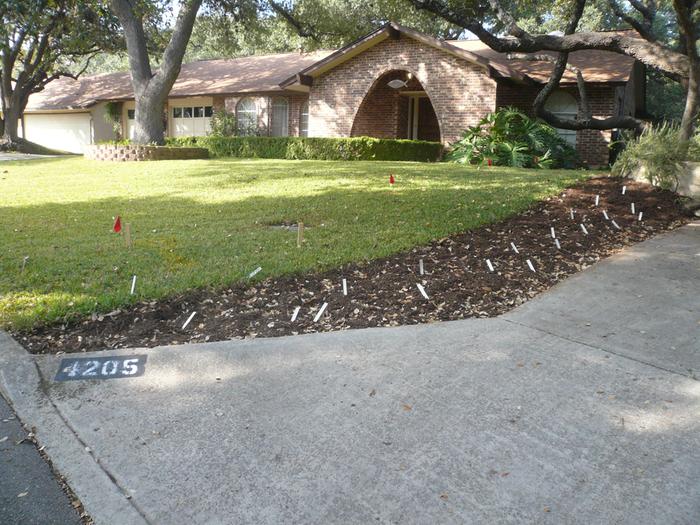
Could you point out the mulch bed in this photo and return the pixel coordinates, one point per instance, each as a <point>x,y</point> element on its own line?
<point>384,292</point>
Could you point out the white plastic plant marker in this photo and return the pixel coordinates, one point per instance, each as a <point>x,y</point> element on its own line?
<point>551,230</point>
<point>24,262</point>
<point>632,208</point>
<point>254,272</point>
<point>605,214</point>
<point>488,263</point>
<point>133,285</point>
<point>515,248</point>
<point>584,229</point>
<point>624,189</point>
<point>616,225</point>
<point>320,312</point>
<point>345,286</point>
<point>189,319</point>
<point>571,212</point>
<point>640,215</point>
<point>422,290</point>
<point>556,241</point>
<point>421,269</point>
<point>529,263</point>
<point>597,200</point>
<point>295,313</point>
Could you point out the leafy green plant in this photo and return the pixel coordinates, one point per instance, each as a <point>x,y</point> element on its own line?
<point>223,123</point>
<point>658,153</point>
<point>508,137</point>
<point>314,148</point>
<point>113,117</point>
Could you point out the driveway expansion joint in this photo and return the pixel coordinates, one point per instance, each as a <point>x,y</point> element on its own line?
<point>599,348</point>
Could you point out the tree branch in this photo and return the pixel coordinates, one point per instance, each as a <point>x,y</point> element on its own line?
<point>175,51</point>
<point>132,24</point>
<point>580,81</point>
<point>644,29</point>
<point>292,21</point>
<point>652,54</point>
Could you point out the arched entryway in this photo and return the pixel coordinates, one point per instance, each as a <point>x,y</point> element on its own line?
<point>397,107</point>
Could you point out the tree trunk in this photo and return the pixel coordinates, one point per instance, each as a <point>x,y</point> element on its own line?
<point>10,132</point>
<point>151,88</point>
<point>692,100</point>
<point>692,105</point>
<point>148,123</point>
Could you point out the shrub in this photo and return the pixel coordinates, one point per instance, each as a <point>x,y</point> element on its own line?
<point>508,137</point>
<point>658,152</point>
<point>113,117</point>
<point>223,123</point>
<point>314,148</point>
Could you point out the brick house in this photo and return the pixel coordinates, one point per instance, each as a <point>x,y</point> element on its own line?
<point>393,83</point>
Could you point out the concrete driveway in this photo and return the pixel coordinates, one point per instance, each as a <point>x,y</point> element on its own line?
<point>6,156</point>
<point>582,406</point>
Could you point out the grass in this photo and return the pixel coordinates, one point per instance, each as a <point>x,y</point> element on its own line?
<point>207,223</point>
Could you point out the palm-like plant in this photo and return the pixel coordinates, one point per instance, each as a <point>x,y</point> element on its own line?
<point>508,137</point>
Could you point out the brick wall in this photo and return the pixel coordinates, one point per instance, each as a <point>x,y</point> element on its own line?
<point>134,152</point>
<point>461,93</point>
<point>379,112</point>
<point>384,112</point>
<point>592,145</point>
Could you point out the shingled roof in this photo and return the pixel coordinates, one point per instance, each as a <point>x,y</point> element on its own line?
<point>278,72</point>
<point>258,73</point>
<point>595,65</point>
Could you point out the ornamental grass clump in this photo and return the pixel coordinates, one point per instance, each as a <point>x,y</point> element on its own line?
<point>508,137</point>
<point>658,153</point>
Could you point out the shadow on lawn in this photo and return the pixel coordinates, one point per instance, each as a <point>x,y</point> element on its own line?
<point>76,265</point>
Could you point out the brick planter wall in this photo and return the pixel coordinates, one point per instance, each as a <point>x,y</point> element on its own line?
<point>133,153</point>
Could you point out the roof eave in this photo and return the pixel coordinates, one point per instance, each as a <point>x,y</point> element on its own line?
<point>393,30</point>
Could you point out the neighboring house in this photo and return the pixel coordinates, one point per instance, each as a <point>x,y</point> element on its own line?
<point>393,83</point>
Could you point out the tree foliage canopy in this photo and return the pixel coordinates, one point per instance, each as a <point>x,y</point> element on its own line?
<point>41,40</point>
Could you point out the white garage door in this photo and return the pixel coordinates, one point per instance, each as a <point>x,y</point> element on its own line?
<point>60,131</point>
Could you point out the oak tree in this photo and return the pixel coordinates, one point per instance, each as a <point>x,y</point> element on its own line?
<point>41,40</point>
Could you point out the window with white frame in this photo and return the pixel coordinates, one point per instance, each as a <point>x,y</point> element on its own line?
<point>246,116</point>
<point>279,117</point>
<point>564,106</point>
<point>304,119</point>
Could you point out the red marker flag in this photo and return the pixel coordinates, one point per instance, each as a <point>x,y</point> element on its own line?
<point>391,179</point>
<point>117,225</point>
<point>490,162</point>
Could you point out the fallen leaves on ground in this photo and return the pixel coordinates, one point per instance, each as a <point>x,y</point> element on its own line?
<point>383,292</point>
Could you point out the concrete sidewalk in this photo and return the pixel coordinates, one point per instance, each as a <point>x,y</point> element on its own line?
<point>582,406</point>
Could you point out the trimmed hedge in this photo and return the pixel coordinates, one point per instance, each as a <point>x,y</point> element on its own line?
<point>314,148</point>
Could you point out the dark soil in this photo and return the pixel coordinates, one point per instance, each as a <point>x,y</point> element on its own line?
<point>384,292</point>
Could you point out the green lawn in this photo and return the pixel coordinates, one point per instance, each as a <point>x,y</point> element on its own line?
<point>207,223</point>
